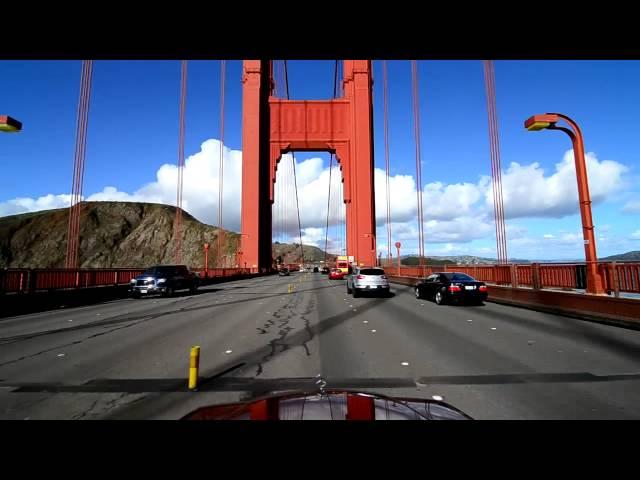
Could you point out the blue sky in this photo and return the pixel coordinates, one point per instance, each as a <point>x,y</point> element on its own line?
<point>134,123</point>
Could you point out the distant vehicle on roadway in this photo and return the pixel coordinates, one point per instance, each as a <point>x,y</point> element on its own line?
<point>367,280</point>
<point>336,274</point>
<point>284,272</point>
<point>326,270</point>
<point>316,269</point>
<point>451,287</point>
<point>164,280</point>
<point>342,262</point>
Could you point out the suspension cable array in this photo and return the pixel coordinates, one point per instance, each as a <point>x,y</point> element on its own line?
<point>73,230</point>
<point>416,123</point>
<point>496,168</point>
<point>340,206</point>
<point>334,209</point>
<point>326,231</point>
<point>295,180</point>
<point>177,224</point>
<point>221,165</point>
<point>335,79</point>
<point>386,154</point>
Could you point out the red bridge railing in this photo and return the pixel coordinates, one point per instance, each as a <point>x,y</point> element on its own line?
<point>617,277</point>
<point>32,280</point>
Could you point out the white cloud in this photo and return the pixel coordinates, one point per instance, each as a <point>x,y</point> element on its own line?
<point>632,206</point>
<point>528,193</point>
<point>549,235</point>
<point>403,194</point>
<point>453,213</point>
<point>313,236</point>
<point>635,235</point>
<point>571,237</point>
<point>444,202</point>
<point>24,204</point>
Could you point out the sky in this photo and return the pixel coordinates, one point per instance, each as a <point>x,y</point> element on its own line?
<point>133,137</point>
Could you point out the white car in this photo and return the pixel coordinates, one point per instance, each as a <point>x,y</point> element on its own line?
<point>367,280</point>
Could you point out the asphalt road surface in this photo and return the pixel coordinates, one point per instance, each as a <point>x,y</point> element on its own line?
<point>128,359</point>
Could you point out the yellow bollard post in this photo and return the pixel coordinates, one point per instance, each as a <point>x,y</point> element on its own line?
<point>194,365</point>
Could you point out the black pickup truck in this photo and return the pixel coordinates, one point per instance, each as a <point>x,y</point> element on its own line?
<point>164,280</point>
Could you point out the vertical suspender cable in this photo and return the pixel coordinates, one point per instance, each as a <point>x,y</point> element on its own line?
<point>177,230</point>
<point>286,79</point>
<point>496,215</point>
<point>73,230</point>
<point>505,258</point>
<point>386,152</point>
<point>416,114</point>
<point>326,230</point>
<point>221,163</point>
<point>496,168</point>
<point>335,80</point>
<point>293,161</point>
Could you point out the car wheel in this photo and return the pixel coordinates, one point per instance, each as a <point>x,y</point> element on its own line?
<point>356,293</point>
<point>418,294</point>
<point>348,289</point>
<point>440,298</point>
<point>135,295</point>
<point>194,288</point>
<point>168,292</point>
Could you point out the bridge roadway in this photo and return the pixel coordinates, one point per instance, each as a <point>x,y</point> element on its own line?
<point>128,359</point>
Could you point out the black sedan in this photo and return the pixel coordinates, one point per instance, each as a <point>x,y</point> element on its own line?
<point>451,287</point>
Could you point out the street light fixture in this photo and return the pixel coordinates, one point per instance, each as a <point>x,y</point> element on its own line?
<point>9,124</point>
<point>548,121</point>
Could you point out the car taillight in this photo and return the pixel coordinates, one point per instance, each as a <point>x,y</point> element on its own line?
<point>360,277</point>
<point>454,288</point>
<point>483,288</point>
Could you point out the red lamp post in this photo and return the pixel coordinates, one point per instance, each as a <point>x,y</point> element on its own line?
<point>206,260</point>
<point>548,121</point>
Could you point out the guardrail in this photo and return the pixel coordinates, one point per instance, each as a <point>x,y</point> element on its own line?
<point>23,280</point>
<point>617,277</point>
<point>32,280</point>
<point>225,272</point>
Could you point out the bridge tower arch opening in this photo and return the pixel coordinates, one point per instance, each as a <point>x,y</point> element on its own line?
<point>273,126</point>
<point>317,211</point>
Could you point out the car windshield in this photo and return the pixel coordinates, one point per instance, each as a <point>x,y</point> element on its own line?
<point>372,271</point>
<point>459,277</point>
<point>159,271</point>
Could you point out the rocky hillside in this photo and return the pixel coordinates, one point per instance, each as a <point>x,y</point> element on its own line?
<point>633,256</point>
<point>117,234</point>
<point>290,253</point>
